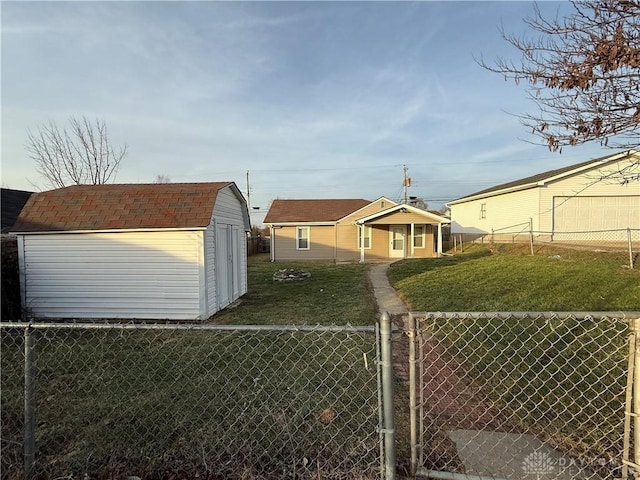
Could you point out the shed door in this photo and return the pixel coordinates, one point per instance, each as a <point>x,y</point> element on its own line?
<point>223,267</point>
<point>235,262</point>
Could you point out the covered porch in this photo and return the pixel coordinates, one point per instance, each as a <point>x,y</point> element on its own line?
<point>402,231</point>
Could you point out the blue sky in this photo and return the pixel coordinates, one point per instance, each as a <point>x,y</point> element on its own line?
<point>314,99</point>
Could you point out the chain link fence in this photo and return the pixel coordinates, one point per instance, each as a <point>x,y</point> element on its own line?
<point>625,240</point>
<point>518,396</point>
<point>93,401</point>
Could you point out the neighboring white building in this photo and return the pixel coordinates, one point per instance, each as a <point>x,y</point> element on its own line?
<point>146,251</point>
<point>588,196</point>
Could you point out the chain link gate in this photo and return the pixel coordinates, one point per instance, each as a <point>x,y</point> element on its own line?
<point>524,395</point>
<point>93,401</point>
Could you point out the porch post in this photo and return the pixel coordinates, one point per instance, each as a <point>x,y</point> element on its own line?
<point>413,248</point>
<point>439,240</point>
<point>361,230</point>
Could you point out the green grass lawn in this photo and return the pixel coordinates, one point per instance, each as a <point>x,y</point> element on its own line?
<point>513,280</point>
<point>334,294</point>
<point>219,405</point>
<point>105,398</point>
<point>561,379</point>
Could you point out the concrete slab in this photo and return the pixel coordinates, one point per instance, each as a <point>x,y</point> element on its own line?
<point>514,456</point>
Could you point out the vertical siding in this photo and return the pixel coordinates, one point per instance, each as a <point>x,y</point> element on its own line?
<point>210,269</point>
<point>228,210</point>
<point>149,275</point>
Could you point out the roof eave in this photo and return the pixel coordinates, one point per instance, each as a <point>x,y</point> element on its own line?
<point>494,193</point>
<point>112,230</point>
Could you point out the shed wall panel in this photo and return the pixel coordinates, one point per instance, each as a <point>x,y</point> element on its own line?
<point>152,275</point>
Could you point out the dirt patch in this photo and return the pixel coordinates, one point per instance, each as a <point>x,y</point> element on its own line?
<point>290,275</point>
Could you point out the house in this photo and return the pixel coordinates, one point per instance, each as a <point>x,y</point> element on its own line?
<point>145,251</point>
<point>11,203</point>
<point>345,230</point>
<point>559,204</point>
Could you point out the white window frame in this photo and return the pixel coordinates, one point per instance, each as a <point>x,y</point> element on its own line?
<point>483,210</point>
<point>419,236</point>
<point>299,237</point>
<point>367,235</point>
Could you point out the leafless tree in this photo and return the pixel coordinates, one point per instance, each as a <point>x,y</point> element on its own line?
<point>80,154</point>
<point>162,178</point>
<point>583,73</point>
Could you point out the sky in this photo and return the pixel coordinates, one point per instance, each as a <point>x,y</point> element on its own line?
<point>305,99</point>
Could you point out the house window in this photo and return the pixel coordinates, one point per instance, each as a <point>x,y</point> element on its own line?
<point>418,236</point>
<point>302,238</point>
<point>364,237</point>
<point>483,210</point>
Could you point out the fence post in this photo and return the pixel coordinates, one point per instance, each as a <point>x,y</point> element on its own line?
<point>531,234</point>
<point>635,324</point>
<point>387,396</point>
<point>410,328</point>
<point>29,403</point>
<point>630,248</point>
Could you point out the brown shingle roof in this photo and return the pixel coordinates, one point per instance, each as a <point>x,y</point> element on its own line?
<point>120,206</point>
<point>287,211</point>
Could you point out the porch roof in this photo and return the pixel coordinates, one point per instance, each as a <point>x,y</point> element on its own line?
<point>426,216</point>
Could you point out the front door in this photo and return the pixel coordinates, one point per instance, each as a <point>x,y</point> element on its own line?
<point>397,237</point>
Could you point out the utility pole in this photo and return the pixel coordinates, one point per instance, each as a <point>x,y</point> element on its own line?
<point>248,193</point>
<point>406,182</point>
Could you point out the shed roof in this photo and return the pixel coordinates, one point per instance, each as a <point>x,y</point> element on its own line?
<point>120,207</point>
<point>548,175</point>
<point>308,211</point>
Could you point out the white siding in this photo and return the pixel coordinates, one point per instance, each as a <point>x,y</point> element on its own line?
<point>585,185</point>
<point>611,205</point>
<point>210,263</point>
<point>229,210</point>
<point>501,211</point>
<point>227,215</point>
<point>114,275</point>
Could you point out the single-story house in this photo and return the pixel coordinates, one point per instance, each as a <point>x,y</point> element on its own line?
<point>11,203</point>
<point>146,251</point>
<point>586,197</point>
<point>346,230</point>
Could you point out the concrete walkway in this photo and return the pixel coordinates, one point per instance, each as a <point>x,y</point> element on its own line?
<point>484,454</point>
<point>386,297</point>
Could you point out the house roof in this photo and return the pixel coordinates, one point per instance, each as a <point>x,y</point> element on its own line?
<point>310,211</point>
<point>120,207</point>
<point>11,203</point>
<point>547,176</point>
<point>434,217</point>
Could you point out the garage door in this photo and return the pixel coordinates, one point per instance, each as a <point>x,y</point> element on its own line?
<point>579,214</point>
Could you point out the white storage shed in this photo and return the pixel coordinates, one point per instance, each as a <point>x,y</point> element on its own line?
<point>172,251</point>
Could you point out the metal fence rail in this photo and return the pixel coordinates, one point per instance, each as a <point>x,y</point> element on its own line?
<point>523,395</point>
<point>190,401</point>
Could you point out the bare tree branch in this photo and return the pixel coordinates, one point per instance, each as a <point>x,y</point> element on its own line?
<point>583,73</point>
<point>80,155</point>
